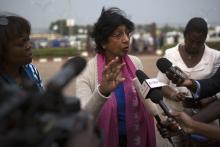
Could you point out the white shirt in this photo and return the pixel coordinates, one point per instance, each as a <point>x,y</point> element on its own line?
<point>207,66</point>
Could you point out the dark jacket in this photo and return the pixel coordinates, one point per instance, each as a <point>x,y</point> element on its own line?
<point>211,86</point>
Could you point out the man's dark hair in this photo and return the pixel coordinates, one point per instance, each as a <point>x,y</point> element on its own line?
<point>196,24</point>
<point>109,20</point>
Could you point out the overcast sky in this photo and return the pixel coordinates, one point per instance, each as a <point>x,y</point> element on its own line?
<point>176,12</point>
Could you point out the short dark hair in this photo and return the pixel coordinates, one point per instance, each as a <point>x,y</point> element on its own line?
<point>196,24</point>
<point>15,27</point>
<point>108,21</point>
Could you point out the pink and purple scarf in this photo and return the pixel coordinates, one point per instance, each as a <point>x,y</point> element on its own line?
<point>139,123</point>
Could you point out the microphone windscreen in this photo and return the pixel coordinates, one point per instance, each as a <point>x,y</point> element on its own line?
<point>163,64</point>
<point>141,76</point>
<point>156,95</point>
<point>77,63</point>
<point>70,69</point>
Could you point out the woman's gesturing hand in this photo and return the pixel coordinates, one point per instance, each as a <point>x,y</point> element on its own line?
<point>111,76</point>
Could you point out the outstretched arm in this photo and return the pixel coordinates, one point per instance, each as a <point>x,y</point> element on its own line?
<point>208,87</point>
<point>209,113</point>
<point>191,126</point>
<point>211,86</point>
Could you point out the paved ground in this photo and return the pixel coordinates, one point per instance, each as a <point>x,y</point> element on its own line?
<point>48,69</point>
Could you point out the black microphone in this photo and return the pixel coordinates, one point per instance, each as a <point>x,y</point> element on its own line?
<point>69,70</point>
<point>164,65</point>
<point>151,107</point>
<point>156,96</point>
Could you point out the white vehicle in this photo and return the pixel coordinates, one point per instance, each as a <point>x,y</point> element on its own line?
<point>170,37</point>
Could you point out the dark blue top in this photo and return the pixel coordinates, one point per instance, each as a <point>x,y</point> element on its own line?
<point>120,96</point>
<point>28,71</point>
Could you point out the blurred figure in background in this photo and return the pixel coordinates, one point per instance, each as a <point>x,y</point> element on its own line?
<point>198,61</point>
<point>16,51</point>
<point>107,83</point>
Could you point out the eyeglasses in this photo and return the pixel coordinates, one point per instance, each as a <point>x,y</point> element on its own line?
<point>119,35</point>
<point>3,20</point>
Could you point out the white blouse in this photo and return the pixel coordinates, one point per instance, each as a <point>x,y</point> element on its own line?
<point>207,66</point>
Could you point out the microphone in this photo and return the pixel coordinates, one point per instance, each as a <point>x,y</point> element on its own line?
<point>150,106</point>
<point>70,69</point>
<point>177,75</point>
<point>156,96</point>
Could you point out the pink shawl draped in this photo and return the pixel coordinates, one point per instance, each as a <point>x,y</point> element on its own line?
<point>139,123</point>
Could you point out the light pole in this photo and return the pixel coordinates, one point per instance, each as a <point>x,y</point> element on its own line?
<point>70,23</point>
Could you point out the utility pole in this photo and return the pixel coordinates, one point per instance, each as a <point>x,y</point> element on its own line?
<point>70,21</point>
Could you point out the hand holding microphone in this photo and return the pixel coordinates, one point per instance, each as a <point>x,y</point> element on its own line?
<point>173,73</point>
<point>156,96</point>
<point>152,109</point>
